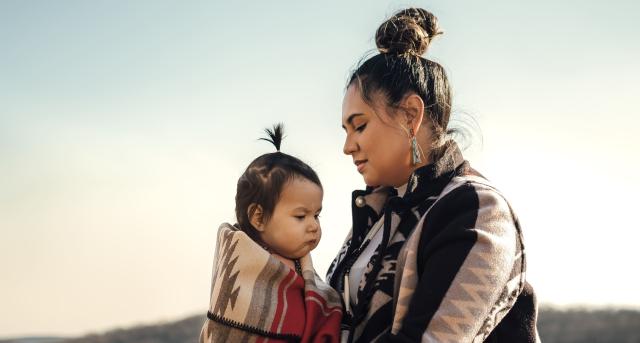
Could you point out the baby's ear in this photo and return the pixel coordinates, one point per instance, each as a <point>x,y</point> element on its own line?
<point>256,216</point>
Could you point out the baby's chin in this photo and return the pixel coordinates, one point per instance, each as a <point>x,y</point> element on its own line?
<point>302,252</point>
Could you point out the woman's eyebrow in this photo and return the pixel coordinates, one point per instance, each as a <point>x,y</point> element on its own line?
<point>350,119</point>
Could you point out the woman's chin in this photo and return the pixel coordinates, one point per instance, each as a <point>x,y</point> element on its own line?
<point>370,181</point>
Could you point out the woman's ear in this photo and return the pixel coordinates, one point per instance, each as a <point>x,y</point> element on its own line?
<point>414,111</point>
<point>256,216</point>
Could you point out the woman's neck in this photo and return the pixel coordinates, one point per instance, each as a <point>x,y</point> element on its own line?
<point>401,189</point>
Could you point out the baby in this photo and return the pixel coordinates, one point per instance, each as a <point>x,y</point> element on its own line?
<point>264,287</point>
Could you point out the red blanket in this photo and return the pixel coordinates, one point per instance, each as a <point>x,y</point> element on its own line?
<point>257,298</point>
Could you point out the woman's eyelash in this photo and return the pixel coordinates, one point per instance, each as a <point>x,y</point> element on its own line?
<point>361,127</point>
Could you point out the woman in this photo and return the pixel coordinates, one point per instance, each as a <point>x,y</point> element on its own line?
<point>435,253</point>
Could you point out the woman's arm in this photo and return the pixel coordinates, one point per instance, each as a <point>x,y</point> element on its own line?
<point>469,267</point>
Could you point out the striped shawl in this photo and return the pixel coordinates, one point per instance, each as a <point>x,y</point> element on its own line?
<point>257,298</point>
<point>451,265</point>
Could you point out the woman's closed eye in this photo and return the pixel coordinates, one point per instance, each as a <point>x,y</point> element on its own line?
<point>361,127</point>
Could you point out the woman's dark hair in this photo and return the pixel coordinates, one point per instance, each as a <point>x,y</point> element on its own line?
<point>399,68</point>
<point>263,180</point>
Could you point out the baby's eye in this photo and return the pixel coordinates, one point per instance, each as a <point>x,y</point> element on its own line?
<point>299,217</point>
<point>317,216</point>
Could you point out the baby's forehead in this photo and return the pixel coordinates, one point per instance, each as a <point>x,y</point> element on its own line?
<point>300,195</point>
<point>301,188</point>
<point>300,208</point>
<point>301,200</point>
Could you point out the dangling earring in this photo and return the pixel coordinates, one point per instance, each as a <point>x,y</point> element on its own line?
<point>415,151</point>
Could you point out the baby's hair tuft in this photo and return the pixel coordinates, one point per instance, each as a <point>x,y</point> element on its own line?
<point>275,135</point>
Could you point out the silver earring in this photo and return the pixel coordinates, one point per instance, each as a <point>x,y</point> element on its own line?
<point>415,152</point>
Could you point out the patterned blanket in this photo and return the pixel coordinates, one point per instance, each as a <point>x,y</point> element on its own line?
<point>257,298</point>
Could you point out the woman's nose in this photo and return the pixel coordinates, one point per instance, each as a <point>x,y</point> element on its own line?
<point>349,146</point>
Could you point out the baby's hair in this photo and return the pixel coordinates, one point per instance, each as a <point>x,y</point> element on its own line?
<point>275,136</point>
<point>263,181</point>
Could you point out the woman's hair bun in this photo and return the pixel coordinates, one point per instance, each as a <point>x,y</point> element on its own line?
<point>409,31</point>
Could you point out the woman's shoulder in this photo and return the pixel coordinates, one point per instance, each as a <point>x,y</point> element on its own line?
<point>471,202</point>
<point>473,188</point>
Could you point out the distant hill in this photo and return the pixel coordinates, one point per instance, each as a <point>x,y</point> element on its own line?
<point>555,326</point>
<point>586,326</point>
<point>183,331</point>
<point>33,340</point>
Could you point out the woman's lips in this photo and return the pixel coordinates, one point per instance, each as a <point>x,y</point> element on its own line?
<point>360,164</point>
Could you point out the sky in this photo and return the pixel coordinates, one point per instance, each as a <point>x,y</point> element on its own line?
<point>124,126</point>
